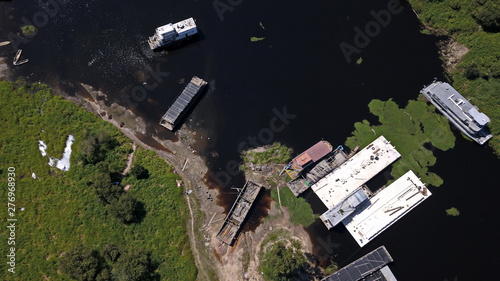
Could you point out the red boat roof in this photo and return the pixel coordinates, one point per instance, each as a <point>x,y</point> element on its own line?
<point>314,153</point>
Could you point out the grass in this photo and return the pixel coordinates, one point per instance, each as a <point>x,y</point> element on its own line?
<point>456,18</point>
<point>274,237</point>
<point>300,211</point>
<point>275,153</point>
<point>408,129</point>
<point>61,211</point>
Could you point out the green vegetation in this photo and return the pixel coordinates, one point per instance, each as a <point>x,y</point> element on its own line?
<point>453,212</point>
<point>475,24</point>
<point>282,261</point>
<point>69,226</point>
<point>408,130</point>
<point>275,153</point>
<point>359,60</point>
<point>28,30</point>
<point>255,39</point>
<point>332,268</point>
<point>300,211</point>
<point>274,237</point>
<point>84,265</point>
<point>139,172</point>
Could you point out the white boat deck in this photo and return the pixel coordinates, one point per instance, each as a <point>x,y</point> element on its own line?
<point>347,178</point>
<point>386,207</point>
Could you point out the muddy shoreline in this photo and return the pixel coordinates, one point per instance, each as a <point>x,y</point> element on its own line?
<point>212,257</point>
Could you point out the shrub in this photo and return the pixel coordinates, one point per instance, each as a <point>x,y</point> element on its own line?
<point>488,16</point>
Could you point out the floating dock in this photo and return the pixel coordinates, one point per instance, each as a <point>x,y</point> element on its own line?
<point>386,207</point>
<point>459,111</point>
<point>370,267</point>
<point>182,104</point>
<point>236,216</point>
<point>321,169</point>
<point>345,180</point>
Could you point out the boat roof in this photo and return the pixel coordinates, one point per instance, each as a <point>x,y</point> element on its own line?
<point>184,25</point>
<point>386,207</point>
<point>341,211</point>
<point>179,27</point>
<point>184,99</point>
<point>367,268</point>
<point>455,102</point>
<point>348,177</point>
<point>314,153</point>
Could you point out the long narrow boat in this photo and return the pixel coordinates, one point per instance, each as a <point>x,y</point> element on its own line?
<point>182,104</point>
<point>238,213</point>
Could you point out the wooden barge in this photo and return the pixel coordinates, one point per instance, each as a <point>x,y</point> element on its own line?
<point>238,213</point>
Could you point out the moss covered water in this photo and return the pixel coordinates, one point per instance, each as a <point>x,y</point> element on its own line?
<point>408,129</point>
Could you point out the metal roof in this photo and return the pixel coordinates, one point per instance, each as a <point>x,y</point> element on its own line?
<point>448,97</point>
<point>386,207</point>
<point>183,101</point>
<point>341,211</point>
<point>343,181</point>
<point>319,150</point>
<point>364,268</point>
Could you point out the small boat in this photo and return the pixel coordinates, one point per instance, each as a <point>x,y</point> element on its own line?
<point>21,62</point>
<point>17,57</point>
<point>4,43</point>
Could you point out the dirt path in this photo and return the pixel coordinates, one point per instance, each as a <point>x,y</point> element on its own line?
<point>130,159</point>
<point>203,273</point>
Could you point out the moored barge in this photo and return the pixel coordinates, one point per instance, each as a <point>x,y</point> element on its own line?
<point>182,104</point>
<point>238,213</point>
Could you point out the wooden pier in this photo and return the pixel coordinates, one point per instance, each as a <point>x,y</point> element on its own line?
<point>238,213</point>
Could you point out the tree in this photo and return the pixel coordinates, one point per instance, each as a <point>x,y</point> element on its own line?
<point>472,72</point>
<point>111,253</point>
<point>126,208</point>
<point>84,265</point>
<point>281,262</point>
<point>105,189</point>
<point>95,147</point>
<point>139,172</point>
<point>488,16</point>
<point>134,267</point>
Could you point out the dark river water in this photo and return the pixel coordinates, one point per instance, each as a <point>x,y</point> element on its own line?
<point>295,86</point>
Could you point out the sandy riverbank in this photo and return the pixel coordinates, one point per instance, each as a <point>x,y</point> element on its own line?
<point>4,69</point>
